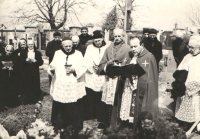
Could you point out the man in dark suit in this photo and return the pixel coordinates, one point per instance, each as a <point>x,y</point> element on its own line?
<point>53,46</point>
<point>84,38</point>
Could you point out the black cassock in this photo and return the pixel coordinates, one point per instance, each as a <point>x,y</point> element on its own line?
<point>8,83</point>
<point>30,78</point>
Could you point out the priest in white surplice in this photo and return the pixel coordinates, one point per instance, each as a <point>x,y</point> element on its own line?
<point>188,105</point>
<point>66,68</point>
<point>94,82</point>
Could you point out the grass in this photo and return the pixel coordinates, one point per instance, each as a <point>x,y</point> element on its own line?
<point>14,119</point>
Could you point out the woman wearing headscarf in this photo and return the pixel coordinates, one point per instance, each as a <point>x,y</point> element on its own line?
<point>22,46</point>
<point>8,94</point>
<point>30,61</point>
<point>66,69</point>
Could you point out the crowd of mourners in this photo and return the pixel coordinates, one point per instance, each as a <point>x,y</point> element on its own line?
<point>115,83</point>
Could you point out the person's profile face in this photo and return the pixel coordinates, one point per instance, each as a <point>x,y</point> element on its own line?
<point>98,42</point>
<point>152,36</point>
<point>57,38</point>
<point>136,47</point>
<point>194,50</point>
<point>23,44</point>
<point>84,32</point>
<point>30,45</point>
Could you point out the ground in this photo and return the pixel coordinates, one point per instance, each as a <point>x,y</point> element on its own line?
<point>15,119</point>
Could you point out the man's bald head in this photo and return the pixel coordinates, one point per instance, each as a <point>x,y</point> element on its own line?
<point>118,35</point>
<point>194,31</point>
<point>194,45</point>
<point>180,33</point>
<point>75,40</point>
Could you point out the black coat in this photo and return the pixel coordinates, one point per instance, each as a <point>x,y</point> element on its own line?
<point>84,39</point>
<point>52,46</point>
<point>30,78</point>
<point>8,83</point>
<point>155,47</point>
<point>179,47</point>
<point>16,55</point>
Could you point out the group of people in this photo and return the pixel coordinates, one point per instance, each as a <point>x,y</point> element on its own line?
<point>117,84</point>
<point>111,83</point>
<point>19,74</point>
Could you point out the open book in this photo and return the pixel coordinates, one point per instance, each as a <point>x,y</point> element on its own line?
<point>7,64</point>
<point>125,71</point>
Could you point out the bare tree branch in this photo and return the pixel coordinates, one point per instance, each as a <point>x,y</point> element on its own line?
<point>41,10</point>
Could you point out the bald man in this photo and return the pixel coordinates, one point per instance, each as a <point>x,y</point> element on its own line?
<point>147,85</point>
<point>76,44</point>
<point>188,104</point>
<point>66,68</point>
<point>114,55</point>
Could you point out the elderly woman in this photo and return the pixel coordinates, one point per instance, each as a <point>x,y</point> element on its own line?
<point>66,90</point>
<point>188,103</point>
<point>22,46</point>
<point>30,61</point>
<point>8,95</point>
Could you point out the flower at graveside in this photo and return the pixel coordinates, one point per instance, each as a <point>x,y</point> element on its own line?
<point>21,135</point>
<point>40,128</point>
<point>4,132</point>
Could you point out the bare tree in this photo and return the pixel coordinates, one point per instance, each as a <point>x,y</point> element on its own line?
<point>54,12</point>
<point>193,13</point>
<point>121,11</point>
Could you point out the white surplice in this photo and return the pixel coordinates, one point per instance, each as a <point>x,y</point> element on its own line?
<point>188,106</point>
<point>66,88</point>
<point>93,56</point>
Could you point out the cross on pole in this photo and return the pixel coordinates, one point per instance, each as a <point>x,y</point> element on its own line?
<point>145,63</point>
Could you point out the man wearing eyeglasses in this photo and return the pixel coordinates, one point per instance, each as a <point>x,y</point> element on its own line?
<point>153,45</point>
<point>188,101</point>
<point>84,38</point>
<point>114,55</point>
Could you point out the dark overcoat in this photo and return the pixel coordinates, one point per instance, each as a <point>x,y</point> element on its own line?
<point>30,78</point>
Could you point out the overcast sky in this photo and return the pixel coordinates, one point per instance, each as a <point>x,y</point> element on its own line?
<point>160,14</point>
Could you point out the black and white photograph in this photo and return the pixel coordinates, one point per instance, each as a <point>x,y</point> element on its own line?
<point>99,69</point>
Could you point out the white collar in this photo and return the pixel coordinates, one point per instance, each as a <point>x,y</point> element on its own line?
<point>31,50</point>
